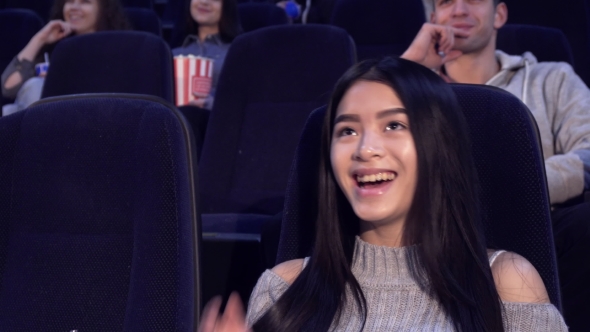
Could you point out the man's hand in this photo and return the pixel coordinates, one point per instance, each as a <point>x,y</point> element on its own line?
<point>232,320</point>
<point>433,46</point>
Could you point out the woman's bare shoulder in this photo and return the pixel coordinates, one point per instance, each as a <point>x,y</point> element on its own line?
<point>289,270</point>
<point>517,280</point>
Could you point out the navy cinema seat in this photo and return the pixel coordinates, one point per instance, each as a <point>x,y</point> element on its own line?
<point>143,19</point>
<point>379,27</point>
<point>573,19</point>
<point>256,15</point>
<point>98,224</point>
<point>547,44</point>
<point>271,80</point>
<point>41,7</point>
<point>509,161</point>
<point>111,61</point>
<point>147,4</point>
<point>17,27</point>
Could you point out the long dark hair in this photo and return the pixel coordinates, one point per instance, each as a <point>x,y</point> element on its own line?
<point>110,15</point>
<point>450,262</point>
<point>229,23</point>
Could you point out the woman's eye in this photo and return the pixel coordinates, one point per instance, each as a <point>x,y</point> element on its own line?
<point>346,132</point>
<point>394,126</point>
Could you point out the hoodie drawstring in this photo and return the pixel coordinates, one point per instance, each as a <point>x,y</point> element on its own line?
<point>526,81</point>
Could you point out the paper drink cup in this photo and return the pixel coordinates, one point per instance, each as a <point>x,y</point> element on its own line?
<point>193,76</point>
<point>41,68</point>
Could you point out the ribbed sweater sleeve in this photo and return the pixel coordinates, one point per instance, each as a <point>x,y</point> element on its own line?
<point>525,317</point>
<point>267,291</point>
<point>25,68</point>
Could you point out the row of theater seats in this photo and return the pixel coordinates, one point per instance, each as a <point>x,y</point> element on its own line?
<point>99,221</point>
<point>378,27</point>
<point>273,78</point>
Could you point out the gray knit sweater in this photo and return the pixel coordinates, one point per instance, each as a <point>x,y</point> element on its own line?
<point>395,302</point>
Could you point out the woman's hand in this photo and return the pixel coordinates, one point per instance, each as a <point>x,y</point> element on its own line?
<point>232,320</point>
<point>433,46</point>
<point>199,102</point>
<point>53,31</point>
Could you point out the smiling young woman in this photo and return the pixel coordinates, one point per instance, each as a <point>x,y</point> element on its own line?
<point>68,17</point>
<point>399,244</point>
<point>211,26</point>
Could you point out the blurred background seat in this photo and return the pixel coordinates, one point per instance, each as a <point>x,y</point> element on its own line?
<point>143,19</point>
<point>41,7</point>
<point>546,44</point>
<point>573,20</point>
<point>515,205</point>
<point>147,4</point>
<point>256,15</point>
<point>98,220</point>
<point>111,61</point>
<point>271,80</point>
<point>379,27</point>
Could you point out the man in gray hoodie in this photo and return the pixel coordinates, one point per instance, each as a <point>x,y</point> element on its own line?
<point>460,44</point>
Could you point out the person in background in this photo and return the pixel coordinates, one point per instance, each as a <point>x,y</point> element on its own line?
<point>459,43</point>
<point>212,26</point>
<point>68,17</point>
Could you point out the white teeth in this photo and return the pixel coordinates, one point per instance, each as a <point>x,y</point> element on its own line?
<point>376,177</point>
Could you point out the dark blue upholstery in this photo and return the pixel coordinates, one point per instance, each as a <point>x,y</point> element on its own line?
<point>254,15</point>
<point>98,220</point>
<point>509,161</point>
<point>271,80</point>
<point>573,20</point>
<point>111,61</point>
<point>41,7</point>
<point>143,19</point>
<point>547,44</point>
<point>17,27</point>
<point>379,27</point>
<point>175,19</point>
<point>148,4</point>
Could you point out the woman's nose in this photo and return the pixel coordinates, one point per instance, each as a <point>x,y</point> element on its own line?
<point>370,146</point>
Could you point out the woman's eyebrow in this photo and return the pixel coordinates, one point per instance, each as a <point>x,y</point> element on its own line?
<point>380,115</point>
<point>392,111</point>
<point>346,118</point>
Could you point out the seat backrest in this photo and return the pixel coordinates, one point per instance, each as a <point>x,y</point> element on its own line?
<point>147,4</point>
<point>173,19</point>
<point>256,15</point>
<point>271,80</point>
<point>98,220</point>
<point>509,162</point>
<point>111,61</point>
<point>143,19</point>
<point>573,20</point>
<point>41,7</point>
<point>547,44</point>
<point>379,27</point>
<point>17,27</point>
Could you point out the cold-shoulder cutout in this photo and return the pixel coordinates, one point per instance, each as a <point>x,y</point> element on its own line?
<point>517,280</point>
<point>289,270</point>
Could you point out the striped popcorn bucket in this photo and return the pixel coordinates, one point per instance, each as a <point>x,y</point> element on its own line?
<point>192,76</point>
